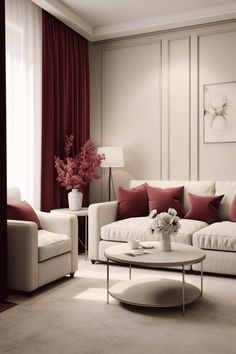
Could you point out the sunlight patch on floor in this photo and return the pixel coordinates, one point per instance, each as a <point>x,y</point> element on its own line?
<point>93,294</point>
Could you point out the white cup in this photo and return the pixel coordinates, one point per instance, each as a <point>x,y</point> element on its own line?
<point>134,244</point>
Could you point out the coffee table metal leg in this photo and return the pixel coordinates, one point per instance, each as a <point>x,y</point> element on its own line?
<point>130,272</point>
<point>107,281</point>
<point>201,278</point>
<point>183,289</point>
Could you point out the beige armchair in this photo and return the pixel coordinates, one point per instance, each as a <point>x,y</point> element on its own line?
<point>37,257</point>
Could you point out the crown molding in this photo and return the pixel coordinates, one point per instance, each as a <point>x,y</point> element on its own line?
<point>67,16</point>
<point>152,24</point>
<point>171,21</point>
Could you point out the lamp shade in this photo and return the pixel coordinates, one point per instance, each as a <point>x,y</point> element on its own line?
<point>114,156</point>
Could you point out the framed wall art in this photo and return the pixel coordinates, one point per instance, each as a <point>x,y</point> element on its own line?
<point>219,125</point>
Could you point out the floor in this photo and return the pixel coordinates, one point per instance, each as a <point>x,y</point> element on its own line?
<point>71,316</point>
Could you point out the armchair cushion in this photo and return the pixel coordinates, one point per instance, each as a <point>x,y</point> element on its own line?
<point>51,244</point>
<point>22,211</point>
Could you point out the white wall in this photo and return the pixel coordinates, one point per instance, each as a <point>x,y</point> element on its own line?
<point>147,96</point>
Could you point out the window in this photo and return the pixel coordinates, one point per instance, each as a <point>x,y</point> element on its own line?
<point>24,100</point>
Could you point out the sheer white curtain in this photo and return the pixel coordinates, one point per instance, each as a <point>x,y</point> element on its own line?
<point>24,98</point>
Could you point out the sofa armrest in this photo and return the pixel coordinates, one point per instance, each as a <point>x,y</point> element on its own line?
<point>99,214</point>
<point>22,254</point>
<point>66,224</point>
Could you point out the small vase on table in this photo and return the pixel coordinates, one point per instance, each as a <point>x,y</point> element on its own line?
<point>165,242</point>
<point>75,199</point>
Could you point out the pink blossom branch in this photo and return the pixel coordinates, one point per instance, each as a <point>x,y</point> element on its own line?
<point>78,171</point>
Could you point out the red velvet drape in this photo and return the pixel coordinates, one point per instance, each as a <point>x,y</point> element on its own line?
<point>65,102</point>
<point>3,202</point>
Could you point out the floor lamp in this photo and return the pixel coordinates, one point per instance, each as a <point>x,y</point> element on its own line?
<point>114,157</point>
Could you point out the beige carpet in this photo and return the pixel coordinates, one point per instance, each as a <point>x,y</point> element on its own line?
<point>71,316</point>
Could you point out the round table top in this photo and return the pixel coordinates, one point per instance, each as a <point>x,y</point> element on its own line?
<point>81,212</point>
<point>181,254</point>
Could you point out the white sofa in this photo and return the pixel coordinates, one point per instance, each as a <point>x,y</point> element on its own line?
<point>217,239</point>
<point>37,257</point>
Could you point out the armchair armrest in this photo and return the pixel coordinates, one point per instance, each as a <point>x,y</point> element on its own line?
<point>59,223</point>
<point>66,224</point>
<point>99,214</point>
<point>22,254</point>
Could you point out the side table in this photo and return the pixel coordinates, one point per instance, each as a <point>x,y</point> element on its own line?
<point>83,212</point>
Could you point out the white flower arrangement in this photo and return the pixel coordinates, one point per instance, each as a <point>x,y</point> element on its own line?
<point>166,223</point>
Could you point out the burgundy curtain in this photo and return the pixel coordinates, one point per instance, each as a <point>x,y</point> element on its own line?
<point>65,102</point>
<point>3,218</point>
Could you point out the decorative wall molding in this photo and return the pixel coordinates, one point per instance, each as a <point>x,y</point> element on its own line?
<point>67,16</point>
<point>171,21</point>
<point>176,45</point>
<point>199,159</point>
<point>214,49</point>
<point>202,16</point>
<point>165,112</point>
<point>194,108</point>
<point>108,49</point>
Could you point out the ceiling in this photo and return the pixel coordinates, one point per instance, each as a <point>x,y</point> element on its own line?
<point>104,19</point>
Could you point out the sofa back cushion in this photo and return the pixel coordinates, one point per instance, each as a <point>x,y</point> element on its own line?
<point>229,191</point>
<point>195,187</point>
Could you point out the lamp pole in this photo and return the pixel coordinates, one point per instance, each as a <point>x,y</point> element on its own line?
<point>110,185</point>
<point>113,158</point>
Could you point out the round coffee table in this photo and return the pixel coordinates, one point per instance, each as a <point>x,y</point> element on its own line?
<point>156,292</point>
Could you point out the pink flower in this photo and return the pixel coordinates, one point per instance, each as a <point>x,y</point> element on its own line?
<point>78,171</point>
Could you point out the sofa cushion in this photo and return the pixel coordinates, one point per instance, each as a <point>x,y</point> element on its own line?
<point>163,199</point>
<point>127,229</point>
<point>51,244</point>
<point>233,210</point>
<point>22,211</point>
<point>229,191</point>
<point>188,227</point>
<point>195,187</point>
<point>139,229</point>
<point>132,202</point>
<point>204,208</point>
<point>220,236</point>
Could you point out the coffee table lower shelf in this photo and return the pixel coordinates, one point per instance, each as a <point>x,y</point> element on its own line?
<point>154,292</point>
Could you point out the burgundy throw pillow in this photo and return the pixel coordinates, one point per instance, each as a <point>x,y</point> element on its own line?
<point>233,210</point>
<point>132,202</point>
<point>204,208</point>
<point>163,199</point>
<point>22,211</point>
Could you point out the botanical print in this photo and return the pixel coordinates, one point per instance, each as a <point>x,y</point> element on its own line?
<point>220,112</point>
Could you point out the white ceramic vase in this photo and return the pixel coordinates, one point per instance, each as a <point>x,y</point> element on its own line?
<point>75,199</point>
<point>165,242</point>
